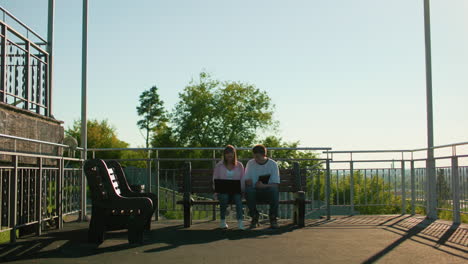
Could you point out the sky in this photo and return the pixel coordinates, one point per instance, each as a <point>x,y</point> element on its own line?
<point>346,74</point>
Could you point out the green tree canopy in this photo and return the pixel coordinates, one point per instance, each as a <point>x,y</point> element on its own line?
<point>151,109</point>
<point>101,134</point>
<point>214,113</point>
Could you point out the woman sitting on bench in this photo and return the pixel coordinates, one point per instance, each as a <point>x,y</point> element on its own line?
<point>230,169</point>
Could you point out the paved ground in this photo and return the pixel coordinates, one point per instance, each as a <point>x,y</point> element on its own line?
<point>356,239</point>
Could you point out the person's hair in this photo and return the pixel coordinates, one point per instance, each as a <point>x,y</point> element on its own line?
<point>230,149</point>
<point>259,149</point>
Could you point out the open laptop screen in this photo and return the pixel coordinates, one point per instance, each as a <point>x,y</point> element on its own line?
<point>227,186</point>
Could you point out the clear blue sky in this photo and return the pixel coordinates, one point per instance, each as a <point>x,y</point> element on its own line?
<point>349,74</point>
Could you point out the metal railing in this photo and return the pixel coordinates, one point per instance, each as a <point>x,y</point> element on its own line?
<point>398,182</point>
<point>24,66</point>
<point>38,189</point>
<point>338,182</point>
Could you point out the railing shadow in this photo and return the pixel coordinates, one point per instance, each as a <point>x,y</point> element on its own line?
<point>410,233</point>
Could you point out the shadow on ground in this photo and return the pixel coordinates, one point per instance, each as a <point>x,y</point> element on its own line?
<point>73,243</point>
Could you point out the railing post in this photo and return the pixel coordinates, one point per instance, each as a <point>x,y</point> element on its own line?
<point>148,170</point>
<point>156,216</point>
<point>59,202</point>
<point>413,188</point>
<point>26,72</point>
<point>351,186</point>
<point>50,50</point>
<point>13,199</point>
<point>327,189</point>
<point>456,190</point>
<point>214,165</point>
<point>403,188</point>
<point>39,199</point>
<point>431,189</point>
<point>187,195</point>
<point>3,70</point>
<point>83,188</point>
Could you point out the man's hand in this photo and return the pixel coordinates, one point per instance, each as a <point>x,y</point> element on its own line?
<point>260,185</point>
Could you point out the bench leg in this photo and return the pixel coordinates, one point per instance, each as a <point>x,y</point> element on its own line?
<point>187,212</point>
<point>96,226</point>
<point>299,209</point>
<point>136,229</point>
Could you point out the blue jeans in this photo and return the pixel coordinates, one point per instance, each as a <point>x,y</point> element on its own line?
<point>225,198</point>
<point>267,195</point>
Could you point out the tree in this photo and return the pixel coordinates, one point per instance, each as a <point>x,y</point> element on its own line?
<point>101,134</point>
<point>213,113</point>
<point>151,110</point>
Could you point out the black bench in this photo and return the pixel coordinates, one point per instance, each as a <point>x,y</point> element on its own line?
<point>193,181</point>
<point>114,205</point>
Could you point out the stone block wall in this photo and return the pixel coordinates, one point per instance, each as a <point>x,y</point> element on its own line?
<point>22,123</point>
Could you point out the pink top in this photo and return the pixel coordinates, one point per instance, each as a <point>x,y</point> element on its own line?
<point>237,173</point>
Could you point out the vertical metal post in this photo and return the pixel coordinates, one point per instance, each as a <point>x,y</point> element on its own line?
<point>214,165</point>
<point>59,200</point>
<point>148,170</point>
<point>327,189</point>
<point>14,200</point>
<point>84,130</point>
<point>456,190</point>
<point>413,187</point>
<point>430,165</point>
<point>156,216</point>
<point>39,199</point>
<point>50,42</point>
<point>403,188</point>
<point>351,185</point>
<point>26,78</point>
<point>3,70</point>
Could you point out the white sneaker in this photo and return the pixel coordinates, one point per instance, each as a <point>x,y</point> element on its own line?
<point>223,224</point>
<point>240,225</point>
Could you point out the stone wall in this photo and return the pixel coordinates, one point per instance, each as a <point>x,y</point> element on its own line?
<point>21,123</point>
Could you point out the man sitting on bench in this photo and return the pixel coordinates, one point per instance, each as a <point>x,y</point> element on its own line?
<point>261,185</point>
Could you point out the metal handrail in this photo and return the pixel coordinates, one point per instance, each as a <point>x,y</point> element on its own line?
<point>394,151</point>
<point>35,141</point>
<point>22,24</point>
<point>201,148</point>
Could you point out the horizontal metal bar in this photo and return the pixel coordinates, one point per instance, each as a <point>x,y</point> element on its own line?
<point>72,159</point>
<point>5,229</point>
<point>72,212</point>
<point>21,23</point>
<point>9,153</point>
<point>367,151</point>
<point>34,141</point>
<point>366,161</point>
<point>207,148</point>
<point>445,146</point>
<point>27,224</point>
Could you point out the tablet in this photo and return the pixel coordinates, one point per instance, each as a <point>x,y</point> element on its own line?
<point>264,178</point>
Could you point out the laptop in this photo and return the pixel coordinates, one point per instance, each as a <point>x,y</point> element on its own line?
<point>264,178</point>
<point>227,186</point>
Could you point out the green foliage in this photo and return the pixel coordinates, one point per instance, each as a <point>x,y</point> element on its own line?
<point>214,113</point>
<point>100,134</point>
<point>152,111</point>
<point>276,142</point>
<point>444,193</point>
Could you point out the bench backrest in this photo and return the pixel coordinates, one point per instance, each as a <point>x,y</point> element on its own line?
<point>201,180</point>
<point>102,181</point>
